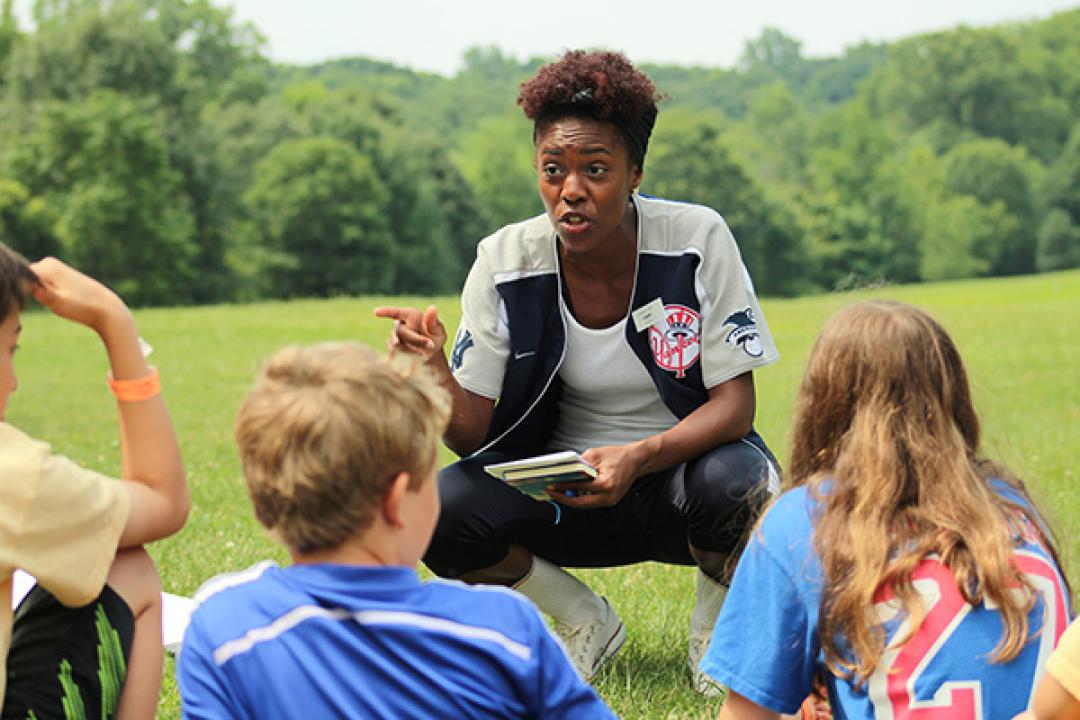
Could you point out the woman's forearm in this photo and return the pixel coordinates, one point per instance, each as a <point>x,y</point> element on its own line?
<point>470,414</point>
<point>726,416</point>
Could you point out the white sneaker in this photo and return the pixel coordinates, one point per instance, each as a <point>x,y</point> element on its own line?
<point>593,643</point>
<point>703,683</point>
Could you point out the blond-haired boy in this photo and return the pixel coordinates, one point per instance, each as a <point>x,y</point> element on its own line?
<point>78,647</point>
<point>338,448</point>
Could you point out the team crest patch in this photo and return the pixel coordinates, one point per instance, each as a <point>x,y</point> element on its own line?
<point>744,332</point>
<point>462,342</point>
<point>677,344</point>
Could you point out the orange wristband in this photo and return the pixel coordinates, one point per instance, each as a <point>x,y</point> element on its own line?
<point>136,390</point>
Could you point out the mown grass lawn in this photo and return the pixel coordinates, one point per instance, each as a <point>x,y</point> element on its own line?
<point>1020,337</point>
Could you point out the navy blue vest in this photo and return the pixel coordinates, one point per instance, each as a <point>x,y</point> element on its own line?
<point>526,412</point>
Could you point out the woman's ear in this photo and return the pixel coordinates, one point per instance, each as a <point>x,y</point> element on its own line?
<point>392,499</point>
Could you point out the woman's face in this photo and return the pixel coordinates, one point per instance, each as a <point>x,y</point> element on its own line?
<point>585,178</point>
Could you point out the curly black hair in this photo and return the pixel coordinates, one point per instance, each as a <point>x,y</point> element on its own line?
<point>599,85</point>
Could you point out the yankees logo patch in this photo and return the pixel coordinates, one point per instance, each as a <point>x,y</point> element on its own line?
<point>462,342</point>
<point>676,342</point>
<point>744,332</point>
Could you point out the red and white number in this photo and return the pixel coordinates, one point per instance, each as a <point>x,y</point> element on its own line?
<point>891,689</point>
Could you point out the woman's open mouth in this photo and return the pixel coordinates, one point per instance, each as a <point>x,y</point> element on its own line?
<point>574,222</point>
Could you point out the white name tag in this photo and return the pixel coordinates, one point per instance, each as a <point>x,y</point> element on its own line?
<point>649,315</point>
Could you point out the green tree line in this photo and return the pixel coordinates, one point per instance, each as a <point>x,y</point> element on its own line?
<point>152,143</point>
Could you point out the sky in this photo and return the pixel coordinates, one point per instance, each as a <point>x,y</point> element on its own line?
<point>432,35</point>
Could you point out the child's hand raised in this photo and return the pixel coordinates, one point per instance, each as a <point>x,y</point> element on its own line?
<point>75,296</point>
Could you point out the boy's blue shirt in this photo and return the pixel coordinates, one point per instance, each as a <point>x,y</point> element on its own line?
<point>347,641</point>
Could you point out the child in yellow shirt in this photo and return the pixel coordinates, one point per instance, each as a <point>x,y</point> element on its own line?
<point>1058,694</point>
<point>86,641</point>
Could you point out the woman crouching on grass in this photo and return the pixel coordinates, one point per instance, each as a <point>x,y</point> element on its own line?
<point>918,578</point>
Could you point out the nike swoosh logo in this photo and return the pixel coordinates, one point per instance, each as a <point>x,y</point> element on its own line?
<point>519,355</point>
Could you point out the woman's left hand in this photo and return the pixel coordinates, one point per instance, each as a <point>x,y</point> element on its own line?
<point>617,466</point>
<point>727,415</point>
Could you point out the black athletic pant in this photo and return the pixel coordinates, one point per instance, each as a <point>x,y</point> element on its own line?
<point>67,662</point>
<point>709,502</point>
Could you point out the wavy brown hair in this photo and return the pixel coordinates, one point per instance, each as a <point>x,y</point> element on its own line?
<point>885,438</point>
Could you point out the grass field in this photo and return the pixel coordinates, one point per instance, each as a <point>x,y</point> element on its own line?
<point>1020,337</point>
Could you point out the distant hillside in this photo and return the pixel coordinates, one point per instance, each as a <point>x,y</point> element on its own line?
<point>490,77</point>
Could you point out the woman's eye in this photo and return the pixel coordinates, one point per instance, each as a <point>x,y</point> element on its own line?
<point>551,170</point>
<point>597,170</point>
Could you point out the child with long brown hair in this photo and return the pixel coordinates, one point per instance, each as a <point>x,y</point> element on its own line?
<point>919,577</point>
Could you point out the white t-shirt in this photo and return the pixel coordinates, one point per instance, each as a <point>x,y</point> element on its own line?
<point>607,396</point>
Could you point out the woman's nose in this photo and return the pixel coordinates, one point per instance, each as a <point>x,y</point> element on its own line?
<point>573,189</point>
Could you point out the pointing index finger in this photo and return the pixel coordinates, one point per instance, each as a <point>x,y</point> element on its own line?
<point>388,311</point>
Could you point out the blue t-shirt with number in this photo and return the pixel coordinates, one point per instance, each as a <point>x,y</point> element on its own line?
<point>765,646</point>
